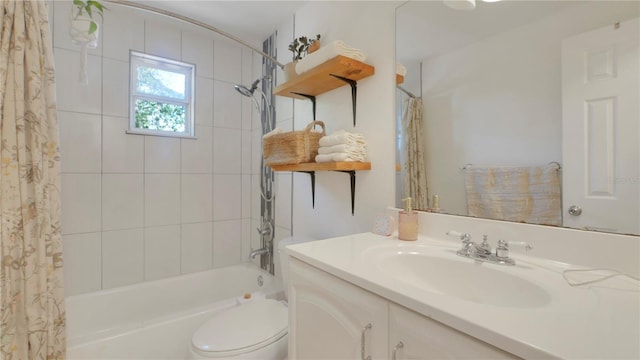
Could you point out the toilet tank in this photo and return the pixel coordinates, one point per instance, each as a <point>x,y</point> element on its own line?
<point>284,258</point>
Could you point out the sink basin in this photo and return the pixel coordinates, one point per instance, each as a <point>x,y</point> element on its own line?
<point>469,280</point>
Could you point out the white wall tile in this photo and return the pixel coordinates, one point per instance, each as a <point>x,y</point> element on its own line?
<point>254,242</point>
<point>247,151</point>
<point>227,105</point>
<point>197,154</point>
<point>227,197</point>
<point>162,39</point>
<point>283,199</point>
<point>123,30</point>
<point>161,199</point>
<point>121,152</point>
<point>197,247</point>
<point>72,95</point>
<point>80,142</point>
<point>162,252</point>
<point>255,197</point>
<point>196,198</point>
<point>204,102</point>
<point>82,263</point>
<point>227,243</point>
<point>122,257</point>
<point>161,154</point>
<point>227,62</point>
<point>115,96</point>
<point>245,249</point>
<point>247,66</point>
<point>256,152</point>
<point>198,49</point>
<point>246,196</point>
<point>227,156</point>
<point>122,196</point>
<point>247,113</point>
<point>81,203</point>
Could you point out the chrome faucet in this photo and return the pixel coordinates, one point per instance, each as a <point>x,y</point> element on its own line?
<point>483,252</point>
<point>257,252</point>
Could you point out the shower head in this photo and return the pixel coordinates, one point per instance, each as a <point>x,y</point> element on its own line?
<point>246,91</point>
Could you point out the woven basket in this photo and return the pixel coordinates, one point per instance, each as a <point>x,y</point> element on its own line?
<point>294,147</point>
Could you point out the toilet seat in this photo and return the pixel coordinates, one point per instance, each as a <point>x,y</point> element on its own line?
<point>242,329</point>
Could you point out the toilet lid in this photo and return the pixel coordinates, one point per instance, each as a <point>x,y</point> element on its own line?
<point>243,328</point>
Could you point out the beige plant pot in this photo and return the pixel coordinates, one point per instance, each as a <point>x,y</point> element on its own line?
<point>290,70</point>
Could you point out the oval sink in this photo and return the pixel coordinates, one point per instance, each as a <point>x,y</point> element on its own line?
<point>465,279</point>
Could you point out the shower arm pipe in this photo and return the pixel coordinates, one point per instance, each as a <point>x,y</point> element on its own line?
<point>194,22</point>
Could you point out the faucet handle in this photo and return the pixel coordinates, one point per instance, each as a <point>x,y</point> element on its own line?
<point>502,249</point>
<point>465,237</point>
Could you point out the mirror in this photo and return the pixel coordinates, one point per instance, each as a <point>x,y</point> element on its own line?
<point>503,89</point>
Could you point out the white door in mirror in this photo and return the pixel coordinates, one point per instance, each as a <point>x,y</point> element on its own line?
<point>601,122</point>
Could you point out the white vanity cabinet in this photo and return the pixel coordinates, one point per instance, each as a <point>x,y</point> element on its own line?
<point>423,338</point>
<point>329,318</point>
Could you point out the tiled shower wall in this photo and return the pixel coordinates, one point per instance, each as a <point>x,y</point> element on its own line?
<point>138,208</point>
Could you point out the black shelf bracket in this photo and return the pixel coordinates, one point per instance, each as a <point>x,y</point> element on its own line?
<point>352,177</point>
<point>313,100</point>
<point>354,93</point>
<point>313,187</point>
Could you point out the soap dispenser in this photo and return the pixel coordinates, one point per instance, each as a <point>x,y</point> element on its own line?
<point>408,222</point>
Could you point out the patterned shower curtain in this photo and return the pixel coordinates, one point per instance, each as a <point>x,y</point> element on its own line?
<point>32,314</point>
<point>415,178</point>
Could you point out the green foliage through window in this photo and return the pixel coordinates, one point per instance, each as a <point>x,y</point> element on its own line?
<point>153,115</point>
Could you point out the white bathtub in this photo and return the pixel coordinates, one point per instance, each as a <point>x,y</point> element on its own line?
<point>155,319</point>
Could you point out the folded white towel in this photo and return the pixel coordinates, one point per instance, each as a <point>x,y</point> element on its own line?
<point>320,158</point>
<point>327,52</point>
<point>272,132</point>
<point>344,148</point>
<point>401,69</point>
<point>342,137</point>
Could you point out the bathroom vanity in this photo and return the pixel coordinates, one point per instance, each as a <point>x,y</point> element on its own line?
<point>367,296</point>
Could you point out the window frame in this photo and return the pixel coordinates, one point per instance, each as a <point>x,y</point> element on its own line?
<point>137,58</point>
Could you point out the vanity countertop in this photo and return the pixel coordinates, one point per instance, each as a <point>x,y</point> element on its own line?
<point>599,320</point>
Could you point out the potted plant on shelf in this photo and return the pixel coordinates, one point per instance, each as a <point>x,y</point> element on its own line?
<point>300,47</point>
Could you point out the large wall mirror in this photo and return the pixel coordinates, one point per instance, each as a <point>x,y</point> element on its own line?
<point>529,111</point>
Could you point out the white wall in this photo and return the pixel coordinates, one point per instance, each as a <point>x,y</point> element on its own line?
<point>139,208</point>
<point>370,27</point>
<point>498,102</point>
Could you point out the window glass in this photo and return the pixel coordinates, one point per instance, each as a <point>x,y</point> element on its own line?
<point>161,96</point>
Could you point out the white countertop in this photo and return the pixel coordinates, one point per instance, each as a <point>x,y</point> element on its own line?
<point>598,321</point>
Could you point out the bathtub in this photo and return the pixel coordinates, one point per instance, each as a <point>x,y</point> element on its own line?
<point>155,319</point>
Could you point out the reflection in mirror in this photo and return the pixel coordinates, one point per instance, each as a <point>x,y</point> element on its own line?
<point>530,110</point>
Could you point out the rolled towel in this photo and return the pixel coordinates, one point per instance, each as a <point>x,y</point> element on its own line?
<point>401,69</point>
<point>342,137</point>
<point>345,148</point>
<point>335,157</point>
<point>327,52</point>
<point>272,132</point>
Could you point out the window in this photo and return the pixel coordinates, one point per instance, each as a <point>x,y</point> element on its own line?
<point>161,96</point>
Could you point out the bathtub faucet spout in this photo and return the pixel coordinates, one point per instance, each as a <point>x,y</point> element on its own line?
<point>257,252</point>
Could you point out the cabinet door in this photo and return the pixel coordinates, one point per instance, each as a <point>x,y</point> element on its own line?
<point>328,316</point>
<point>423,338</point>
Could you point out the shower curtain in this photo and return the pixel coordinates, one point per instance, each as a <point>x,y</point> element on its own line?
<point>32,314</point>
<point>415,178</point>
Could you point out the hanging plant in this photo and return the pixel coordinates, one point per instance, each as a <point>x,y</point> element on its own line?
<point>84,29</point>
<point>88,9</point>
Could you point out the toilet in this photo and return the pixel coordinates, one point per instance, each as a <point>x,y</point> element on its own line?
<point>257,329</point>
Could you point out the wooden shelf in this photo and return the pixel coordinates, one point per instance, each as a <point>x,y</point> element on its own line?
<point>319,80</point>
<point>399,79</point>
<point>331,166</point>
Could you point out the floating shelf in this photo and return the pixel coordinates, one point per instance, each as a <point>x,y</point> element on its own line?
<point>330,166</point>
<point>399,79</point>
<point>349,167</point>
<point>327,76</point>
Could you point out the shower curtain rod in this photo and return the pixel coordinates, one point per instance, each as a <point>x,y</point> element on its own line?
<point>406,91</point>
<point>194,22</point>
